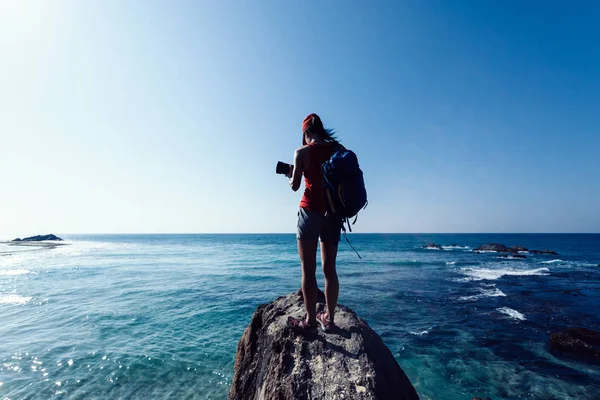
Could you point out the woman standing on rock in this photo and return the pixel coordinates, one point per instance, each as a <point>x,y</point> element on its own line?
<point>318,144</point>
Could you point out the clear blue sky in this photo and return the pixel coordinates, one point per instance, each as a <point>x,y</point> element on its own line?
<point>148,116</point>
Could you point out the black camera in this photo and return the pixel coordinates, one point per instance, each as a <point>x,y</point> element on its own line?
<point>283,168</point>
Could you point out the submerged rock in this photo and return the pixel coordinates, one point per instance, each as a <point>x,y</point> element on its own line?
<point>433,246</point>
<point>543,252</point>
<point>38,238</point>
<point>581,342</point>
<point>351,362</point>
<point>500,248</point>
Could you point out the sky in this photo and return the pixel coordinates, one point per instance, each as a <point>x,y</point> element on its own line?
<point>169,117</point>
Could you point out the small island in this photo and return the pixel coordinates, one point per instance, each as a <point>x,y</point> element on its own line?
<point>39,238</point>
<point>49,241</point>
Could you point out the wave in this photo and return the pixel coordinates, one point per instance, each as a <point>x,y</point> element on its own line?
<point>552,261</point>
<point>455,247</point>
<point>419,333</point>
<point>484,292</point>
<point>511,313</point>
<point>509,257</point>
<point>14,272</point>
<point>450,262</point>
<point>415,263</point>
<point>14,299</point>
<point>480,274</point>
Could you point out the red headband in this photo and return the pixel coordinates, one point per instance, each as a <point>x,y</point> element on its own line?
<point>309,122</point>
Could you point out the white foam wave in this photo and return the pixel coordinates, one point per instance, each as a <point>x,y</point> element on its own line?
<point>450,262</point>
<point>552,261</point>
<point>484,292</point>
<point>455,247</point>
<point>419,333</point>
<point>14,299</point>
<point>14,272</point>
<point>511,313</point>
<point>508,257</point>
<point>485,251</point>
<point>480,274</point>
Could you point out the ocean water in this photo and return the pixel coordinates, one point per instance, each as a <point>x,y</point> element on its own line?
<point>159,316</point>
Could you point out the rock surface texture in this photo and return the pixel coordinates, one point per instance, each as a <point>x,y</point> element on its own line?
<point>350,362</point>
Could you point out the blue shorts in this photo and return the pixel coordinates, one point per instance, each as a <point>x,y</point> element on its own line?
<point>312,226</point>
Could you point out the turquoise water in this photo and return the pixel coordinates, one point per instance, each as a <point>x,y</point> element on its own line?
<point>159,316</point>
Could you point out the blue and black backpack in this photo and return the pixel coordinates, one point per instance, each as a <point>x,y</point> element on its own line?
<point>344,186</point>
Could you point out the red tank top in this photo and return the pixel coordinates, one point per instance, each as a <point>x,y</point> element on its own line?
<point>314,197</point>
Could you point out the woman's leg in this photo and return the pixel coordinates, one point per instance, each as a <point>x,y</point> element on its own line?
<point>307,249</point>
<point>332,286</point>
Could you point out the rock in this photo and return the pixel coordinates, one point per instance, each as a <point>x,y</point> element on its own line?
<point>574,292</point>
<point>481,398</point>
<point>500,248</point>
<point>433,246</point>
<point>517,249</point>
<point>38,238</point>
<point>587,335</point>
<point>352,362</point>
<point>543,252</point>
<point>513,255</point>
<point>581,342</point>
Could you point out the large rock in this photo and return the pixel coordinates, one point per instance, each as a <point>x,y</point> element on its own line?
<point>517,249</point>
<point>351,362</point>
<point>38,238</point>
<point>500,248</point>
<point>581,342</point>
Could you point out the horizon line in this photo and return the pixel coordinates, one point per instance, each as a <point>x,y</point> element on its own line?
<point>352,233</point>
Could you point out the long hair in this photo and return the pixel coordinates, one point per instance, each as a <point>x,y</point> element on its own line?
<point>328,135</point>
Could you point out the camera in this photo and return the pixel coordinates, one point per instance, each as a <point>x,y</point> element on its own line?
<point>283,168</point>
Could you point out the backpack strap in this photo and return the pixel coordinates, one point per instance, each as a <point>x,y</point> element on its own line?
<point>345,221</point>
<point>350,244</point>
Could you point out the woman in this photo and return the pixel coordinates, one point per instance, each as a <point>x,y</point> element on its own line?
<point>318,144</point>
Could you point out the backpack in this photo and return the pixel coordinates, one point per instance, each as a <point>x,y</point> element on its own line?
<point>344,186</point>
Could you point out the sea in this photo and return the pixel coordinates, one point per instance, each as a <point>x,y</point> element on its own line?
<point>160,316</point>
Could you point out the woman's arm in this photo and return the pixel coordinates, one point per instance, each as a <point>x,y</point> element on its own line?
<point>299,166</point>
